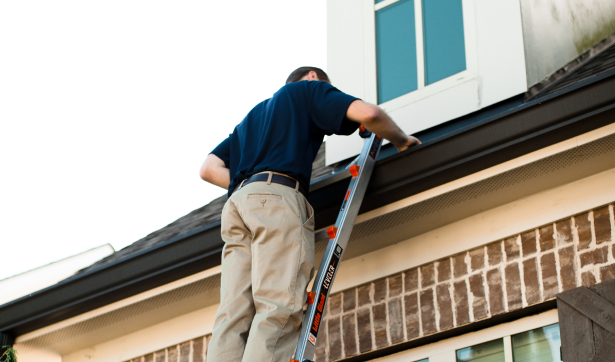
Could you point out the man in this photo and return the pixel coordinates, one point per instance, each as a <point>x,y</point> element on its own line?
<point>267,223</point>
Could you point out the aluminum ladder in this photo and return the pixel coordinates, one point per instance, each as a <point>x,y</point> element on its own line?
<point>361,171</point>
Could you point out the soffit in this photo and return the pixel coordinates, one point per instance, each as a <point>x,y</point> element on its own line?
<point>98,327</point>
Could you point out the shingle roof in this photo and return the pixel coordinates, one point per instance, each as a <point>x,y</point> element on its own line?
<point>198,218</point>
<point>597,60</point>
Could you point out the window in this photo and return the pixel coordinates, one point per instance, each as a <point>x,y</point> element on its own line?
<point>492,351</point>
<point>418,43</point>
<point>538,345</point>
<point>396,50</point>
<point>443,38</point>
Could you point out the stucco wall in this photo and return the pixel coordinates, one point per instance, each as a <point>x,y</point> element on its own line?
<point>557,31</point>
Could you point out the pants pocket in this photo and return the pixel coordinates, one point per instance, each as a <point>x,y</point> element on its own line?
<point>309,223</point>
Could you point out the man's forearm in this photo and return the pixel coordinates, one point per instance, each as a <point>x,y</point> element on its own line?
<point>385,127</point>
<point>215,172</point>
<point>377,121</point>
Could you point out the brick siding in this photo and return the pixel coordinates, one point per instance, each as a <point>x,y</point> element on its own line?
<point>503,276</point>
<point>506,275</point>
<point>194,350</point>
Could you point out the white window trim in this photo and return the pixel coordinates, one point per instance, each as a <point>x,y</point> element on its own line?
<point>508,353</point>
<point>445,351</point>
<point>423,91</point>
<point>384,4</point>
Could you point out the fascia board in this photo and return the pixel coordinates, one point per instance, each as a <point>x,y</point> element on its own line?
<point>527,128</point>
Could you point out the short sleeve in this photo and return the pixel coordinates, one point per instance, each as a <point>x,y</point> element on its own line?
<point>223,151</point>
<point>328,110</point>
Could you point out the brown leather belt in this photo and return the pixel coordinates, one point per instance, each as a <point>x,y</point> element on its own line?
<point>276,179</point>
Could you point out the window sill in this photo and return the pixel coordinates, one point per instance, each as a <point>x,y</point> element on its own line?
<point>429,90</point>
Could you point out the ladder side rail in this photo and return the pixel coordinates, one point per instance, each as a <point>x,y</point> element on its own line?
<point>335,249</point>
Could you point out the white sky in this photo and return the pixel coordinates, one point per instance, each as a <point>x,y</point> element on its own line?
<point>108,108</point>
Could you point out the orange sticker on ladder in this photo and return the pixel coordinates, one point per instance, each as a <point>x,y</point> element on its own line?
<point>354,170</point>
<point>347,195</point>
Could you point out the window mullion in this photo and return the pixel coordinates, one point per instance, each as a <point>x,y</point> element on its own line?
<point>508,354</point>
<point>420,49</point>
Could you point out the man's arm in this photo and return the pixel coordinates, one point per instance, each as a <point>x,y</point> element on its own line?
<point>377,121</point>
<point>215,172</point>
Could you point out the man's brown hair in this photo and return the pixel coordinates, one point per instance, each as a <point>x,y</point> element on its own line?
<point>302,71</point>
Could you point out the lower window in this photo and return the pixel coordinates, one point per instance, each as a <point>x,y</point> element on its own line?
<point>538,345</point>
<point>492,351</point>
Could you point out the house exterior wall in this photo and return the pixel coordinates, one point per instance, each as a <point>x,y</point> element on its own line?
<point>174,332</point>
<point>503,276</point>
<point>556,32</point>
<point>194,350</point>
<point>442,351</point>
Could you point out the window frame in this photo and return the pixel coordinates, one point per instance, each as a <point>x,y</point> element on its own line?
<point>423,91</point>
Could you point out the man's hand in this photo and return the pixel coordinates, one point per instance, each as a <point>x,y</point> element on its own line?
<point>378,122</point>
<point>412,141</point>
<point>215,172</point>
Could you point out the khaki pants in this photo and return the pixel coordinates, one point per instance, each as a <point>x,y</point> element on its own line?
<point>267,263</point>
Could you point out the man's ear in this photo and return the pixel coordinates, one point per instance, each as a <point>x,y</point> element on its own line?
<point>312,75</point>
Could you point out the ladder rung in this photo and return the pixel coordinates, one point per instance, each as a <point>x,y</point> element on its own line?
<point>332,231</point>
<point>310,298</point>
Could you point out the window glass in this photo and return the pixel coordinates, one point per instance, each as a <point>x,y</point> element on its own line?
<point>539,345</point>
<point>492,351</point>
<point>443,39</point>
<point>423,360</point>
<point>379,1</point>
<point>396,50</point>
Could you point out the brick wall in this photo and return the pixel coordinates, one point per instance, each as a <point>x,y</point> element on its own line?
<point>506,275</point>
<point>190,351</point>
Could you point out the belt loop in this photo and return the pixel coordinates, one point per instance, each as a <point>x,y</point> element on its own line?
<point>269,179</point>
<point>240,185</point>
<point>297,186</point>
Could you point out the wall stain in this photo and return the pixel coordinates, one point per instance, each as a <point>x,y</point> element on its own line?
<point>590,25</point>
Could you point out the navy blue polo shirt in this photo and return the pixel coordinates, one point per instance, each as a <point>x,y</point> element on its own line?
<point>283,133</point>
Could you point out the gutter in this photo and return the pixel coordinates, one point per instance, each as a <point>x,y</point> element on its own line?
<point>578,109</point>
